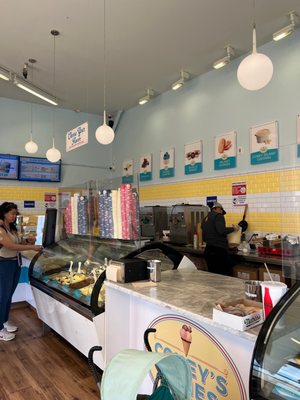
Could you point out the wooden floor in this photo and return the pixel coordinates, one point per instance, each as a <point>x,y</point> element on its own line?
<point>36,366</point>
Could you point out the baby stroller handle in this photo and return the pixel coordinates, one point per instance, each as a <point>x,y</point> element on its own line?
<point>92,365</point>
<point>146,339</point>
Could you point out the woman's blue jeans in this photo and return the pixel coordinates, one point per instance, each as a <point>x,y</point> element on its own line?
<point>9,278</point>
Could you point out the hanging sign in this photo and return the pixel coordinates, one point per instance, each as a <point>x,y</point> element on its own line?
<point>166,162</point>
<point>193,157</point>
<point>127,171</point>
<point>264,143</point>
<point>225,151</point>
<point>77,137</point>
<point>146,167</point>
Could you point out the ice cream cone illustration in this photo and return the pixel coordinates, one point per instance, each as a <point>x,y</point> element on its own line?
<point>186,338</point>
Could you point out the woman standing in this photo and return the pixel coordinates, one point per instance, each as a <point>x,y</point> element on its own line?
<point>10,264</point>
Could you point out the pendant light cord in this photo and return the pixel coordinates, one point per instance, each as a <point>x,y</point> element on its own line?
<point>54,84</point>
<point>104,60</point>
<point>254,30</point>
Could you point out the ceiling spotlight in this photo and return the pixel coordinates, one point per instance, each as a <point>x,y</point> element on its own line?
<point>4,74</point>
<point>184,76</point>
<point>25,70</point>
<point>145,99</point>
<point>225,60</point>
<point>287,30</point>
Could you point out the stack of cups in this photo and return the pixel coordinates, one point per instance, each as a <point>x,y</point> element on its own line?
<point>272,292</point>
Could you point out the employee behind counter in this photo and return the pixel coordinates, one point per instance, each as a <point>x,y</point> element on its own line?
<point>215,232</point>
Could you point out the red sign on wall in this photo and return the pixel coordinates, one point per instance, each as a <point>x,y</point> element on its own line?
<point>50,197</point>
<point>239,192</point>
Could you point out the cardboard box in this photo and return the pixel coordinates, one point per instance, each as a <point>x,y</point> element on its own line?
<point>240,323</point>
<point>246,272</point>
<point>276,274</point>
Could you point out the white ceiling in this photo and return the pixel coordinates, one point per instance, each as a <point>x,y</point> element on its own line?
<point>148,42</point>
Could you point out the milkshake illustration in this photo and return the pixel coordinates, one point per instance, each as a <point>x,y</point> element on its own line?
<point>186,338</point>
<point>166,159</point>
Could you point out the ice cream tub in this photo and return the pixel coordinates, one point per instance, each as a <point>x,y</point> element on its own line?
<point>240,314</point>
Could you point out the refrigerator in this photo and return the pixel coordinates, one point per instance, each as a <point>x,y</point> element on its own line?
<point>275,367</point>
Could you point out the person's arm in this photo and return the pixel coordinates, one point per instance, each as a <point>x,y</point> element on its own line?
<point>6,242</point>
<point>221,227</point>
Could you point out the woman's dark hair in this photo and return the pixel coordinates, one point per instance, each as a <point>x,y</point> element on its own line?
<point>4,209</point>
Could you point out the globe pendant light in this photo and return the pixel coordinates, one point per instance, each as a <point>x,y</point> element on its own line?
<point>256,70</point>
<point>104,133</point>
<point>53,154</point>
<point>31,147</point>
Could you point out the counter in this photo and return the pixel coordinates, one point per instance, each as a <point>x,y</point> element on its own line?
<point>220,356</point>
<point>252,256</point>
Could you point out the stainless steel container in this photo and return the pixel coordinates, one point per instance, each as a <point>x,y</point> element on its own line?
<point>253,290</point>
<point>154,267</point>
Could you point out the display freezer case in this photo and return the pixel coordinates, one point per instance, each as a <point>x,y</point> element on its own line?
<point>73,269</point>
<point>275,368</point>
<point>67,282</point>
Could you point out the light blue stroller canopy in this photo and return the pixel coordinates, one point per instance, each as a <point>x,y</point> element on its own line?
<point>126,372</point>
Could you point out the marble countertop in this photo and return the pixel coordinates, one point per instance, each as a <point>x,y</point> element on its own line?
<point>192,293</point>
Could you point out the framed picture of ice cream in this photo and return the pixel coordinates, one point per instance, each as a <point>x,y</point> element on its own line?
<point>146,167</point>
<point>264,143</point>
<point>298,135</point>
<point>225,151</point>
<point>127,176</point>
<point>193,157</point>
<point>166,162</point>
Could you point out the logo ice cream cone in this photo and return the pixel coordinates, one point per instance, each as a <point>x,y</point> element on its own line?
<point>186,338</point>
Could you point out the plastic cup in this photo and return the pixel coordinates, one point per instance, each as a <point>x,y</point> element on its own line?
<point>253,290</point>
<point>272,291</point>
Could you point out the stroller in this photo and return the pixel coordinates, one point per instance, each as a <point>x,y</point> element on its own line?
<point>126,371</point>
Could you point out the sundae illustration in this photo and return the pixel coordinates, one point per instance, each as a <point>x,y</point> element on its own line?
<point>192,155</point>
<point>166,159</point>
<point>145,163</point>
<point>127,168</point>
<point>186,338</point>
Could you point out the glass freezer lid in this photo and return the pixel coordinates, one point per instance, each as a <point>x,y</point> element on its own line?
<point>276,359</point>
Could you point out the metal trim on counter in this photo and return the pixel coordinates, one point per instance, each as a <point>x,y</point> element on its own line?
<point>63,298</point>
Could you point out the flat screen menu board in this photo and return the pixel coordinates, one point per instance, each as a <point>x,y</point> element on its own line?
<point>39,169</point>
<point>9,166</point>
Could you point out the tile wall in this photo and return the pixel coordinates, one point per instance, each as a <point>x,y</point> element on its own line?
<point>273,198</point>
<point>20,194</point>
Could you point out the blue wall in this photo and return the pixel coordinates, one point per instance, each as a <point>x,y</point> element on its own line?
<point>210,105</point>
<point>15,132</point>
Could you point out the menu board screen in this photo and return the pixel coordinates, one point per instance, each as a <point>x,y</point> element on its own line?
<point>39,169</point>
<point>9,165</point>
